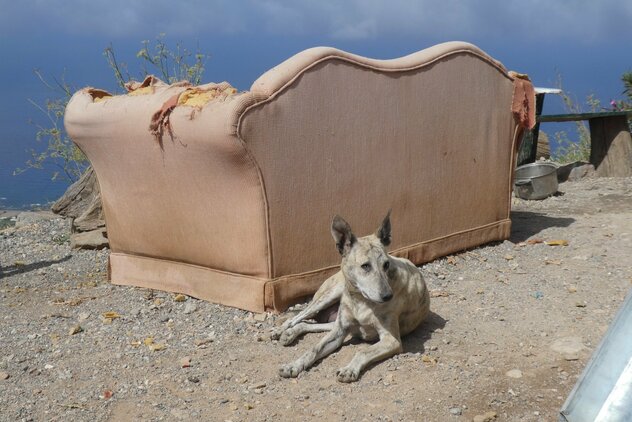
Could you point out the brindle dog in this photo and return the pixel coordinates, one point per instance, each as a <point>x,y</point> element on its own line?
<point>381,298</point>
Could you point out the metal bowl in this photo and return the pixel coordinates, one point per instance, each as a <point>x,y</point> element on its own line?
<point>535,181</point>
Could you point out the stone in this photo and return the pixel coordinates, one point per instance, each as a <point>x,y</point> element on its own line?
<point>569,347</point>
<point>82,203</point>
<point>514,373</point>
<point>4,375</point>
<point>486,417</point>
<point>578,173</point>
<point>455,411</point>
<point>75,330</point>
<point>94,239</point>
<point>190,307</point>
<point>575,171</point>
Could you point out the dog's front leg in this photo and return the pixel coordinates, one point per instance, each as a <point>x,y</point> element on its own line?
<point>329,344</point>
<point>389,344</point>
<point>301,328</point>
<point>327,295</point>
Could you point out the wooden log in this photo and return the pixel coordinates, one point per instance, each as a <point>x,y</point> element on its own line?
<point>581,116</point>
<point>611,146</point>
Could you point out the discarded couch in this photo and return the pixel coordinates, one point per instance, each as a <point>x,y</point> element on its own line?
<point>229,196</point>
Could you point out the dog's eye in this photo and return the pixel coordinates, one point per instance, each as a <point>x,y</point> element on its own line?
<point>366,267</point>
<point>387,264</point>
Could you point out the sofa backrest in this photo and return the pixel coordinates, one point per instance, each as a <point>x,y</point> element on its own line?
<point>430,135</point>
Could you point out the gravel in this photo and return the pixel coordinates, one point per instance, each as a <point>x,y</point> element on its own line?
<point>74,347</point>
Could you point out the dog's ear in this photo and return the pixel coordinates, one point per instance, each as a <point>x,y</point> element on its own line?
<point>341,231</point>
<point>384,232</point>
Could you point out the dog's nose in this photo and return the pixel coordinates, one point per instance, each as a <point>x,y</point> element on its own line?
<point>387,297</point>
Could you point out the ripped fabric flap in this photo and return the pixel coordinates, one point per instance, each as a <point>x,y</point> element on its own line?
<point>523,100</point>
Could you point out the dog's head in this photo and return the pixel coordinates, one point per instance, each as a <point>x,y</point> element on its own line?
<point>365,263</point>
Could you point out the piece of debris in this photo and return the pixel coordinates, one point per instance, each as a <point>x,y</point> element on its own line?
<point>553,261</point>
<point>185,362</point>
<point>4,375</point>
<point>111,315</point>
<point>559,242</point>
<point>534,241</point>
<point>439,293</point>
<point>179,298</point>
<point>486,417</point>
<point>428,359</point>
<point>75,330</point>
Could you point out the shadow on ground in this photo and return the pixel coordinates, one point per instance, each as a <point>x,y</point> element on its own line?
<point>525,224</point>
<point>25,268</point>
<point>414,342</point>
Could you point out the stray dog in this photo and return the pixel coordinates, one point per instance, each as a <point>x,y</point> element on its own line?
<point>381,298</point>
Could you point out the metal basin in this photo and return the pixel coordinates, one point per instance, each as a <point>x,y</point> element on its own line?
<point>535,181</point>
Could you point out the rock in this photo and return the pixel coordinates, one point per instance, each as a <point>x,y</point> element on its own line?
<point>82,203</point>
<point>75,330</point>
<point>486,417</point>
<point>190,307</point>
<point>185,362</point>
<point>514,373</point>
<point>455,411</point>
<point>94,239</point>
<point>578,173</point>
<point>4,375</point>
<point>569,347</point>
<point>78,198</point>
<point>575,171</point>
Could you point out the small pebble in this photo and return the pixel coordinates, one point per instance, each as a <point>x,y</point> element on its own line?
<point>514,373</point>
<point>455,411</point>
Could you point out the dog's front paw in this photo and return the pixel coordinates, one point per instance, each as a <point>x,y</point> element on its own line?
<point>288,336</point>
<point>348,374</point>
<point>291,370</point>
<point>276,332</point>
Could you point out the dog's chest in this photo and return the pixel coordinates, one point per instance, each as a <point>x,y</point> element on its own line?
<point>363,321</point>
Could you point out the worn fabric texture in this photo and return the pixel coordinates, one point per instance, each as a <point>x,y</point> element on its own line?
<point>229,196</point>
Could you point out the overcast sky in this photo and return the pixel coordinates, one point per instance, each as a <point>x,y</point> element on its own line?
<point>586,42</point>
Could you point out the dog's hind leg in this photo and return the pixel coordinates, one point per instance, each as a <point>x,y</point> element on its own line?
<point>390,344</point>
<point>288,336</point>
<point>329,344</point>
<point>328,294</point>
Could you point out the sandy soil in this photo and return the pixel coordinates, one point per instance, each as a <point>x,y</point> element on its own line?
<point>491,348</point>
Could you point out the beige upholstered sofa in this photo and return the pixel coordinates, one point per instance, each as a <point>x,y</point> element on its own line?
<point>229,196</point>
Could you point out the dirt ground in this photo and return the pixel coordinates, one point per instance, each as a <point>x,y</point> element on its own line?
<point>512,326</point>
